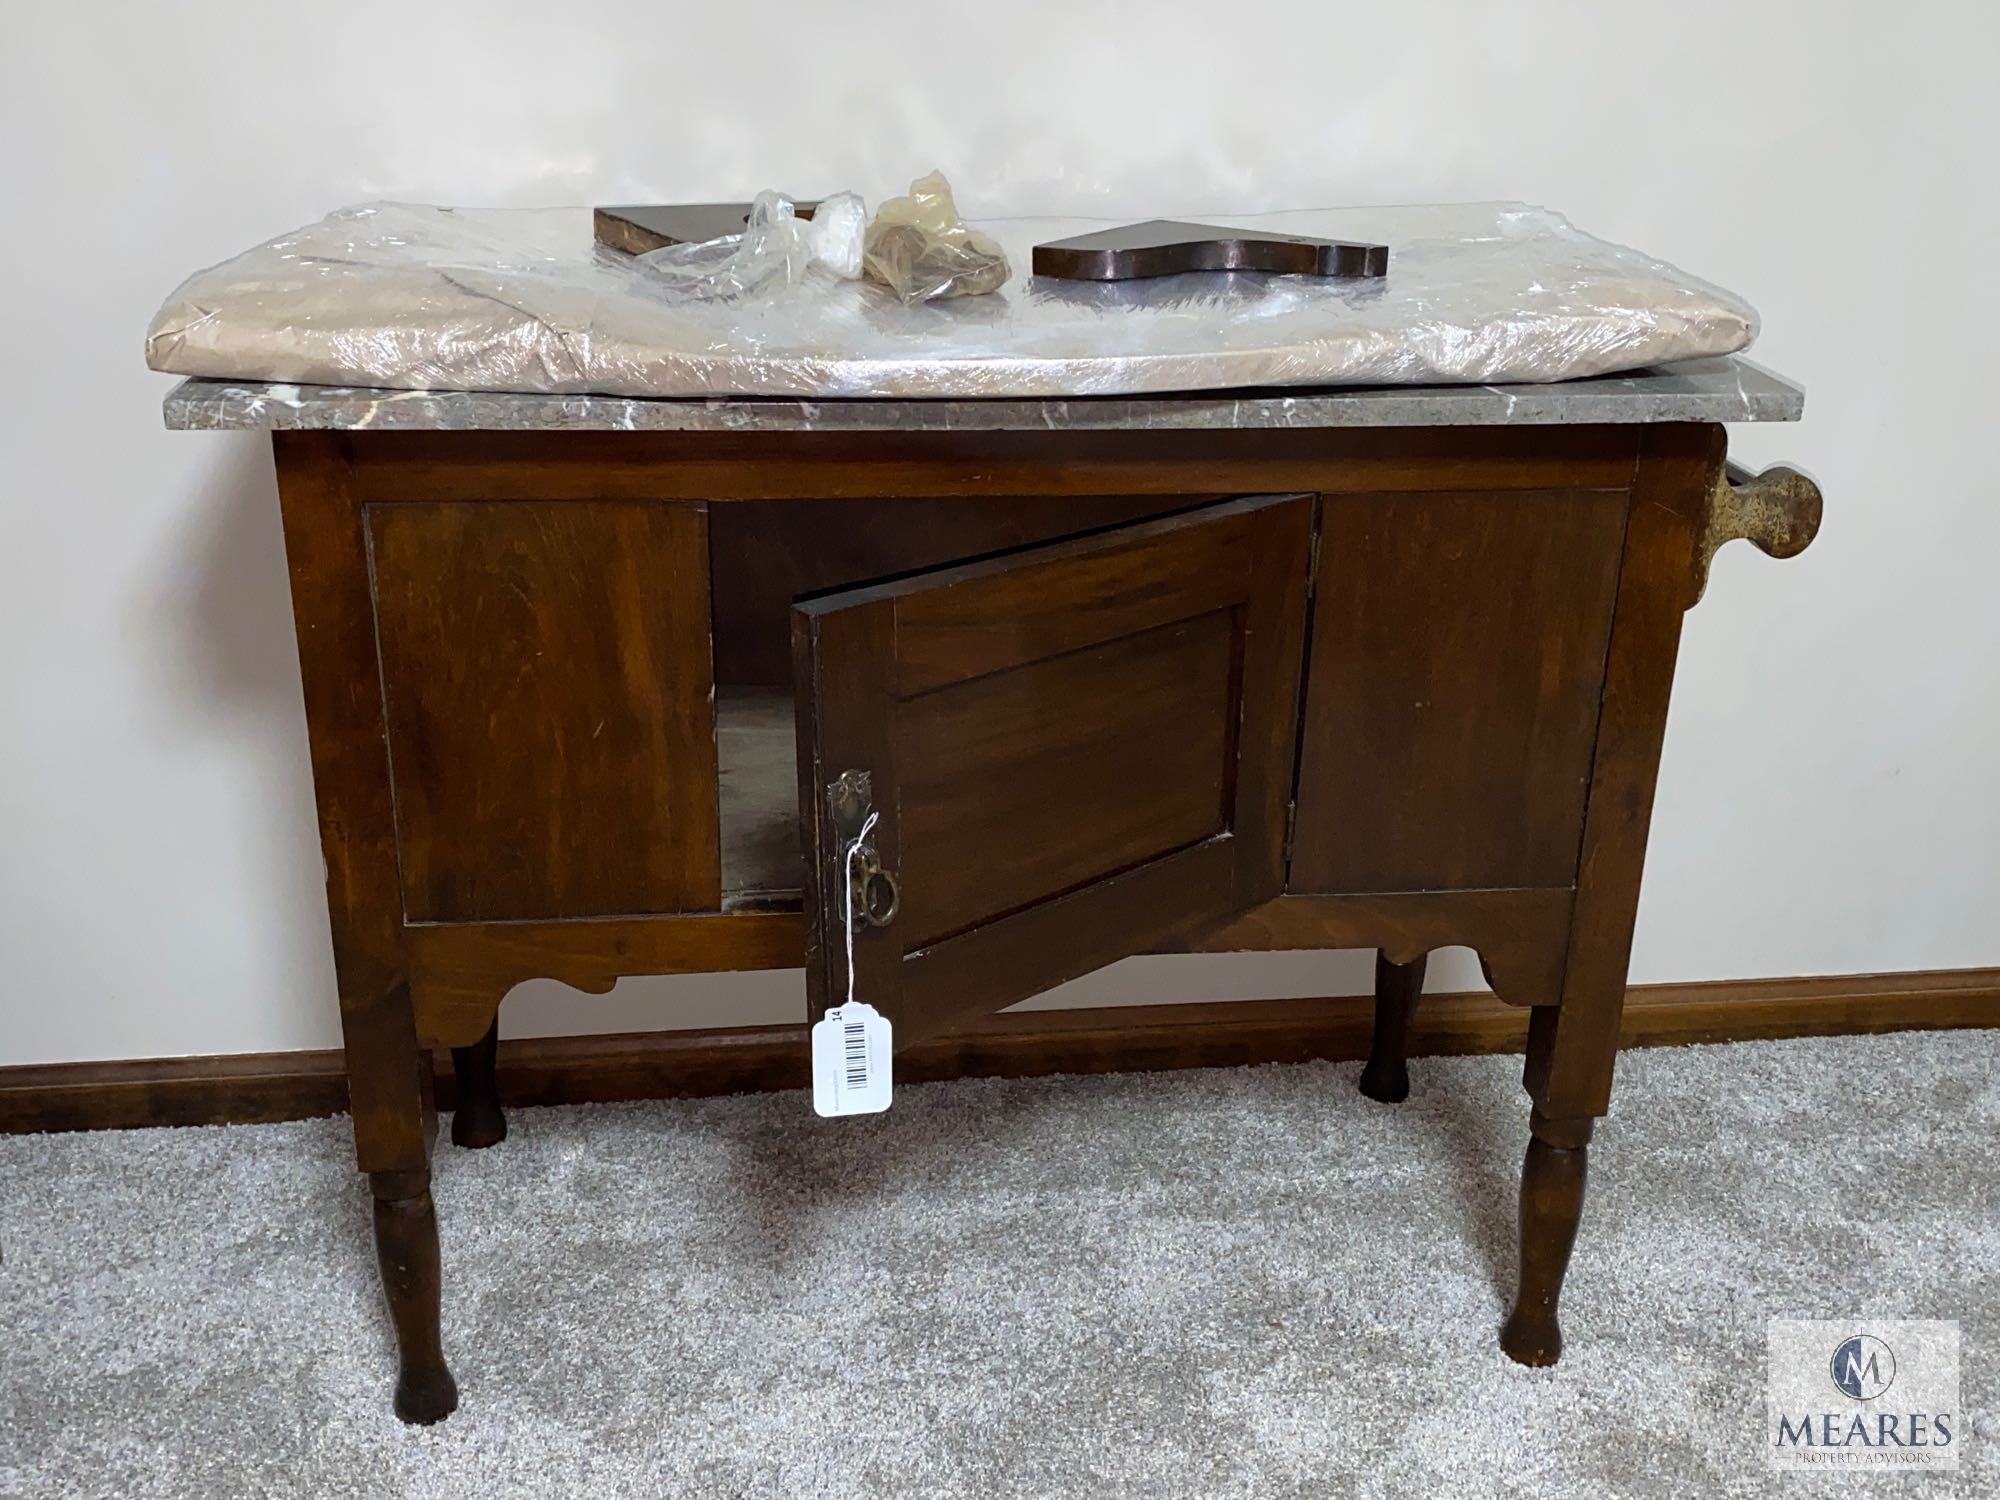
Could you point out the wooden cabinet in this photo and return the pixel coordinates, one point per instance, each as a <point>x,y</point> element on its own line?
<point>591,704</point>
<point>1109,693</point>
<point>1078,747</point>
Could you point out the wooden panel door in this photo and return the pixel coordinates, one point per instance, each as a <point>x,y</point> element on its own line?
<point>551,739</point>
<point>1457,665</point>
<point>1071,751</point>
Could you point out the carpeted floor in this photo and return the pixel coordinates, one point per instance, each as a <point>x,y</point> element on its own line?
<point>1239,1282</point>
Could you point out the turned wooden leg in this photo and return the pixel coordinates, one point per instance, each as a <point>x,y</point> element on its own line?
<point>1397,986</point>
<point>1552,1180</point>
<point>478,1121</point>
<point>406,1243</point>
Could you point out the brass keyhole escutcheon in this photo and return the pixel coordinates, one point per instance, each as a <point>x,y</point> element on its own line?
<point>849,800</point>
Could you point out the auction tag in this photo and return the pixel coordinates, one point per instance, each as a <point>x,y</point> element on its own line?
<point>850,1050</point>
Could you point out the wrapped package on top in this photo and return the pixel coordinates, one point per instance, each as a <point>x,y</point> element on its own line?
<point>412,297</point>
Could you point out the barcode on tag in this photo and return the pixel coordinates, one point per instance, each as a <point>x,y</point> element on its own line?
<point>851,1061</point>
<point>857,1053</point>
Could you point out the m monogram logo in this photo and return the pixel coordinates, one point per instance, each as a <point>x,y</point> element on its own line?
<point>1863,1367</point>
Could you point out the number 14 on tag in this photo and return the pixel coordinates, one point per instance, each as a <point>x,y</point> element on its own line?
<point>850,1055</point>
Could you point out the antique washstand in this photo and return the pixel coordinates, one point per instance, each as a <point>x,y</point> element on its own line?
<point>599,686</point>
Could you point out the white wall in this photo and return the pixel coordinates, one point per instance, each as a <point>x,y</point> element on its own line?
<point>1828,798</point>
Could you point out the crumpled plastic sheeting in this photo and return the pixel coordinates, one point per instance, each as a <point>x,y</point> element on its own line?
<point>776,250</point>
<point>421,298</point>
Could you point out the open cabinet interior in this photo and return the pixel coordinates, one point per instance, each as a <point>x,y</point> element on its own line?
<point>764,555</point>
<point>757,796</point>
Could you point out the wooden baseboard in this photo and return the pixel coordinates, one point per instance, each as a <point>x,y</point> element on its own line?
<point>666,1064</point>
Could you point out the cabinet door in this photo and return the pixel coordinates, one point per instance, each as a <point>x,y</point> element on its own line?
<point>546,674</point>
<point>1069,751</point>
<point>1457,663</point>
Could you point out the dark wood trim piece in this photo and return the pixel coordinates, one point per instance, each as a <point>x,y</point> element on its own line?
<point>249,1088</point>
<point>461,971</point>
<point>253,1088</point>
<point>1519,934</point>
<point>392,468</point>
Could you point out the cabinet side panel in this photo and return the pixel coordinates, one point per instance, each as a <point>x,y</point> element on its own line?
<point>1456,666</point>
<point>551,724</point>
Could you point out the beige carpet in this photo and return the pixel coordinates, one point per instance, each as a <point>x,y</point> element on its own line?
<point>1242,1282</point>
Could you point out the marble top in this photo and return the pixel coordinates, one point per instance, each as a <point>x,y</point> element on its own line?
<point>1730,389</point>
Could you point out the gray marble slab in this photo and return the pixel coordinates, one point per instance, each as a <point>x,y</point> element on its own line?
<point>1729,389</point>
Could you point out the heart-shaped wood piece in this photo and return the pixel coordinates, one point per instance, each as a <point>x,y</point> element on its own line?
<point>1167,247</point>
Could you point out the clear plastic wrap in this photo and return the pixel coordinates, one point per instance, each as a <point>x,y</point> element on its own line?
<point>839,228</point>
<point>419,298</point>
<point>920,249</point>
<point>775,251</point>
